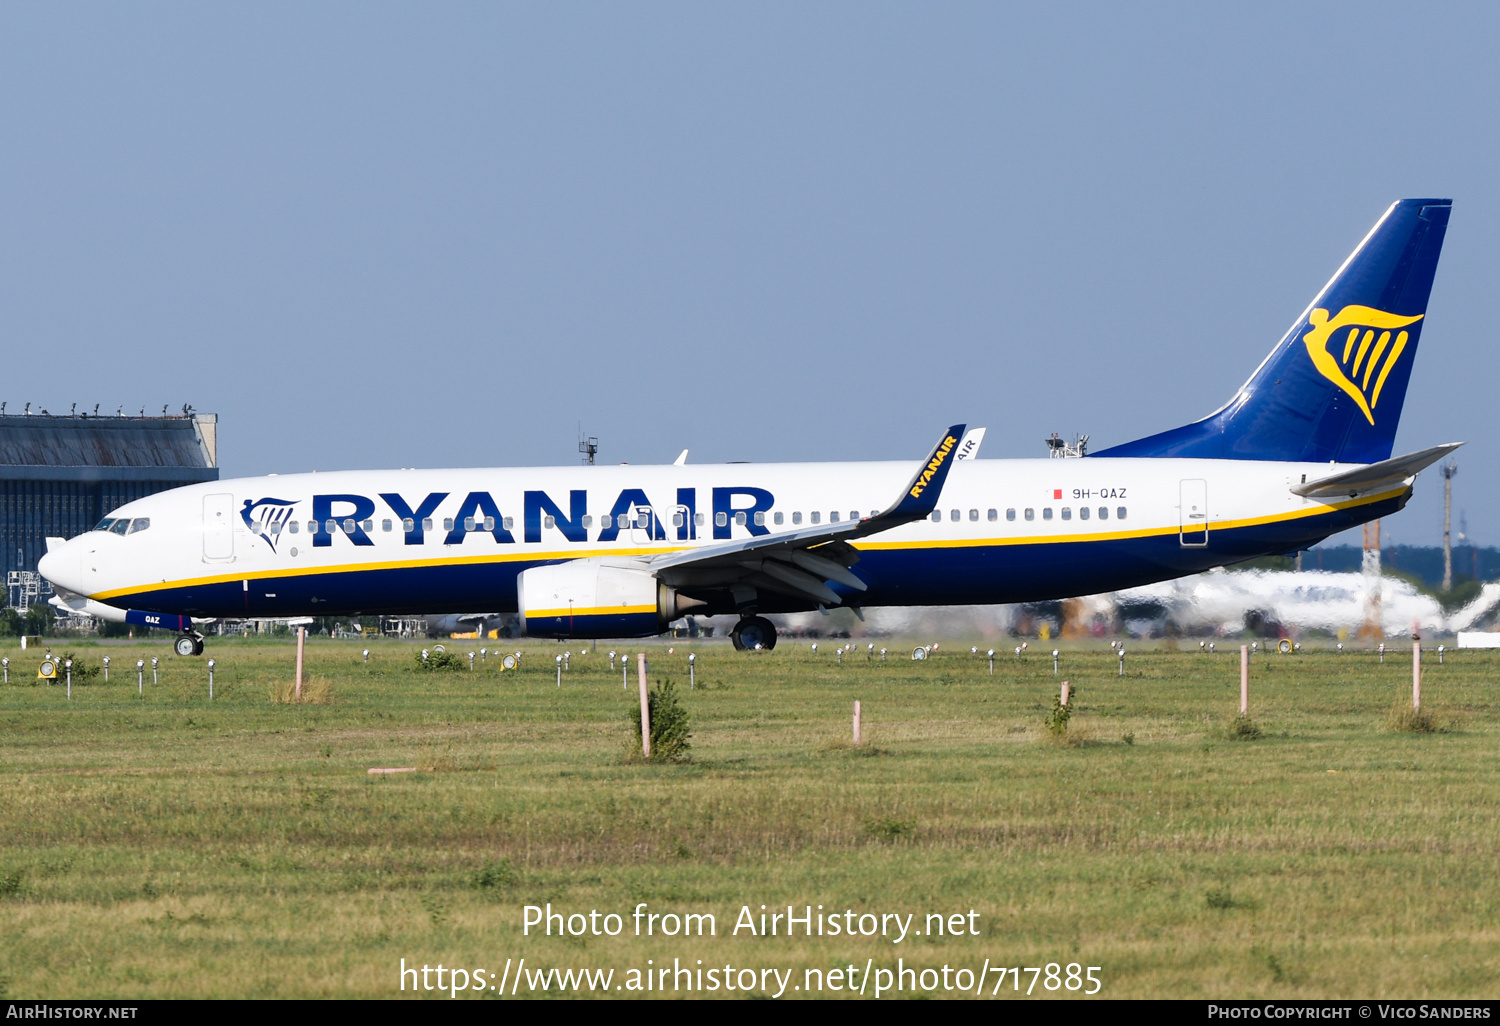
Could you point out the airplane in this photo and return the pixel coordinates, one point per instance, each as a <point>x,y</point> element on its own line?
<point>1300,452</point>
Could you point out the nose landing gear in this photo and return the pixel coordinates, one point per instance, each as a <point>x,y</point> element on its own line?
<point>188,644</point>
<point>752,633</point>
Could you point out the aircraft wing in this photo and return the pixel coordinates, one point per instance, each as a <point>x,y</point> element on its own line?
<point>1375,477</point>
<point>804,561</point>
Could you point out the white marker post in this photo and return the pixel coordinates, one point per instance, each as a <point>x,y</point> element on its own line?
<point>559,671</point>
<point>154,679</point>
<point>1054,665</point>
<point>1122,662</point>
<point>301,641</point>
<point>1244,680</point>
<point>140,676</point>
<point>992,662</point>
<point>692,671</point>
<point>68,667</point>
<point>856,722</point>
<point>5,666</point>
<point>645,711</point>
<point>1416,676</point>
<point>210,680</point>
<point>106,668</point>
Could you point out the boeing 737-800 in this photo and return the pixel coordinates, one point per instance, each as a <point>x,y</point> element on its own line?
<point>1302,450</point>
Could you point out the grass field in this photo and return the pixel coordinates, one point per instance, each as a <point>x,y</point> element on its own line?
<point>160,845</point>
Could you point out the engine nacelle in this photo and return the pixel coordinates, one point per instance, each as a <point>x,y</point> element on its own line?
<point>592,598</point>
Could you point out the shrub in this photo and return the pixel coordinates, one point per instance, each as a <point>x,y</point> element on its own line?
<point>889,828</point>
<point>669,724</point>
<point>497,874</point>
<point>439,661</point>
<point>1057,720</point>
<point>82,671</point>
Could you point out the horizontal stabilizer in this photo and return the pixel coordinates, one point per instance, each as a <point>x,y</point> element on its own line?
<point>1376,477</point>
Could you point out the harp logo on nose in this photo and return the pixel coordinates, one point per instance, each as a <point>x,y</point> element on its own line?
<point>1356,350</point>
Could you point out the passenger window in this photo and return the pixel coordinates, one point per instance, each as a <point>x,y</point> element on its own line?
<point>974,516</point>
<point>721,519</point>
<point>833,517</point>
<point>779,518</point>
<point>332,525</point>
<point>385,525</point>
<point>489,523</point>
<point>120,526</point>
<point>677,520</point>
<point>760,519</point>
<point>937,516</point>
<point>1103,512</point>
<point>1047,513</point>
<point>739,518</point>
<point>1010,514</point>
<point>1030,513</point>
<point>1067,513</point>
<point>1120,513</point>
<point>427,523</point>
<point>815,517</point>
<point>953,515</point>
<point>1083,513</point>
<point>854,514</point>
<point>448,524</point>
<point>408,525</point>
<point>510,522</point>
<point>588,521</point>
<point>276,528</point>
<point>549,521</point>
<point>292,527</point>
<point>698,519</point>
<point>139,524</point>
<point>797,516</point>
<point>995,516</point>
<point>606,520</point>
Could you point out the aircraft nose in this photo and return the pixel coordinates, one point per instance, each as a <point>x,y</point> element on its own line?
<point>63,567</point>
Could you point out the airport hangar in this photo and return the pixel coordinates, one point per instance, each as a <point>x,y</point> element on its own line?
<point>59,476</point>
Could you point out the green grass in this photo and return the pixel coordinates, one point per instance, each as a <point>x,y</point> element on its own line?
<point>162,845</point>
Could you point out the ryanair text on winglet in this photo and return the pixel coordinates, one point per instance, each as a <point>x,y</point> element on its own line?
<point>933,465</point>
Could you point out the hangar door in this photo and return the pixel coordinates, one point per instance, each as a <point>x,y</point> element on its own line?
<point>1194,493</point>
<point>218,527</point>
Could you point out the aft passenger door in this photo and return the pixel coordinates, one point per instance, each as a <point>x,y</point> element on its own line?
<point>218,527</point>
<point>1194,513</point>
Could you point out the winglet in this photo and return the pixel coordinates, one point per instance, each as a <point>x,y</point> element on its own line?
<point>921,495</point>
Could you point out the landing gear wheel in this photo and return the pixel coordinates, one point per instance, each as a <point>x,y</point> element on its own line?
<point>752,633</point>
<point>188,645</point>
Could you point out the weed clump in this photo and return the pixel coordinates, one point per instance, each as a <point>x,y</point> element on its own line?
<point>497,874</point>
<point>10,884</point>
<point>1405,719</point>
<point>669,725</point>
<point>315,691</point>
<point>82,672</point>
<point>1223,900</point>
<point>1243,728</point>
<point>889,828</point>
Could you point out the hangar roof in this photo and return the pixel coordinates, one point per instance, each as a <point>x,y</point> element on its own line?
<point>179,449</point>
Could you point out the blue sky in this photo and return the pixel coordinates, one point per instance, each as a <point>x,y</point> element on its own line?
<point>401,235</point>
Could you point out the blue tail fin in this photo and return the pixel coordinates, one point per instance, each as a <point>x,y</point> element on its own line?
<point>1333,388</point>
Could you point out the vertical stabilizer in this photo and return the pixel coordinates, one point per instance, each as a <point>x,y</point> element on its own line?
<point>1333,388</point>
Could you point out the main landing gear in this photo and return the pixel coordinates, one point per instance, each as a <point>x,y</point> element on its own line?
<point>753,633</point>
<point>188,644</point>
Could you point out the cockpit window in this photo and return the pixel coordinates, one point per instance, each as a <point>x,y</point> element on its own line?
<point>105,524</point>
<point>120,526</point>
<point>139,524</point>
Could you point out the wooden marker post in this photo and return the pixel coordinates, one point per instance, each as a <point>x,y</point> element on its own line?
<point>1064,692</point>
<point>856,722</point>
<point>1244,680</point>
<point>1416,676</point>
<point>645,710</point>
<point>301,640</point>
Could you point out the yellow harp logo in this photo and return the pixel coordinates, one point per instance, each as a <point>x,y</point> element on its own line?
<point>1367,340</point>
